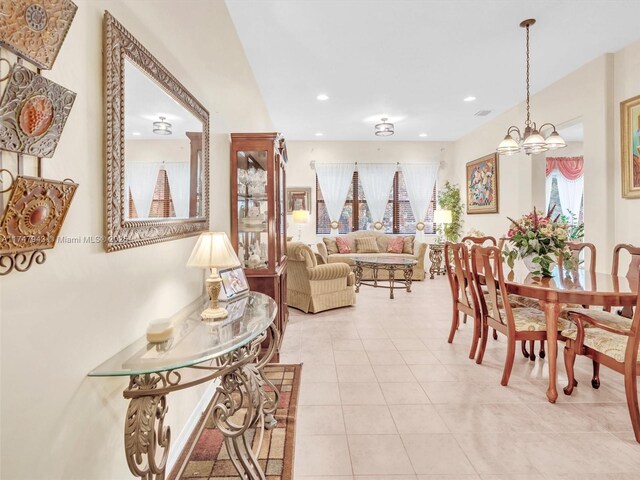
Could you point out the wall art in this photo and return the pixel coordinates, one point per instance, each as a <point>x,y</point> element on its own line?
<point>630,148</point>
<point>298,198</point>
<point>33,111</point>
<point>482,185</point>
<point>35,30</point>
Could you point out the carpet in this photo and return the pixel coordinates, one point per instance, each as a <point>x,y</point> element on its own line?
<point>206,457</point>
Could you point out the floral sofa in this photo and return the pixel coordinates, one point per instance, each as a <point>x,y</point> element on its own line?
<point>328,251</point>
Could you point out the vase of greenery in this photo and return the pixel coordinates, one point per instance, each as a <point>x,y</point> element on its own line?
<point>449,199</point>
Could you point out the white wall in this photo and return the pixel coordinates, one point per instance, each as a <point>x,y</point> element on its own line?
<point>301,154</point>
<point>585,93</point>
<point>61,319</point>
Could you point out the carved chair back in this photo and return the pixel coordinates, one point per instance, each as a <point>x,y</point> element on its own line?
<point>490,259</point>
<point>634,262</point>
<point>482,241</point>
<point>460,276</point>
<point>577,249</point>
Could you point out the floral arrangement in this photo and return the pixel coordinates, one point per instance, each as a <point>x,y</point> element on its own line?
<point>539,240</point>
<point>474,232</point>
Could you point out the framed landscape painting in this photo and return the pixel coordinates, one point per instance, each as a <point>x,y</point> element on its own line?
<point>298,199</point>
<point>630,130</point>
<point>482,185</point>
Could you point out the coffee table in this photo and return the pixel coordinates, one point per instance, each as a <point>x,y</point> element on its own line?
<point>391,265</point>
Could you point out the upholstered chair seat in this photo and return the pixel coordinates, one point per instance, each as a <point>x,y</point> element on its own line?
<point>531,320</point>
<point>608,343</point>
<point>610,319</point>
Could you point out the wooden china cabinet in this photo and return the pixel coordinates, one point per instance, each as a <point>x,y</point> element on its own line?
<point>258,214</point>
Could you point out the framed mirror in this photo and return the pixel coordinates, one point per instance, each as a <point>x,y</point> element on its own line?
<point>157,148</point>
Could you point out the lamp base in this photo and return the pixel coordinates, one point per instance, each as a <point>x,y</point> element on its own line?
<point>214,314</point>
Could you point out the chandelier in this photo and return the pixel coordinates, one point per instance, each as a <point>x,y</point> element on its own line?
<point>384,129</point>
<point>530,140</point>
<point>162,127</point>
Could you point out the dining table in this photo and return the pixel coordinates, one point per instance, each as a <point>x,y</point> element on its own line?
<point>576,286</point>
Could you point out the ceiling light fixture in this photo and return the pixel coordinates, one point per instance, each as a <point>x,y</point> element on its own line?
<point>384,129</point>
<point>319,134</point>
<point>162,127</point>
<point>423,135</point>
<point>529,141</point>
<point>322,97</point>
<point>136,134</point>
<point>470,98</point>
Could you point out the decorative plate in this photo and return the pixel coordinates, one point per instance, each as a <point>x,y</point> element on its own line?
<point>35,213</point>
<point>35,30</point>
<point>33,111</point>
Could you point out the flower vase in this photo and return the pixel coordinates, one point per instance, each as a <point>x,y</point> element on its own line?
<point>534,267</point>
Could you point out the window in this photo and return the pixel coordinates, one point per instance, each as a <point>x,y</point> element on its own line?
<point>398,217</point>
<point>161,204</point>
<point>554,200</point>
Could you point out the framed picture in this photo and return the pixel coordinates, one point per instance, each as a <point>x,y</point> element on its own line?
<point>298,199</point>
<point>482,185</point>
<point>234,283</point>
<point>630,133</point>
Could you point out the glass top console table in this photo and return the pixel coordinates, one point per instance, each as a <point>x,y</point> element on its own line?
<point>390,264</point>
<point>227,350</point>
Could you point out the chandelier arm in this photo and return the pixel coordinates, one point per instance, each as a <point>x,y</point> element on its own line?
<point>547,124</point>
<point>516,130</point>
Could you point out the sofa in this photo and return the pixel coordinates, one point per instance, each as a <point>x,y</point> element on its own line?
<point>315,288</point>
<point>327,250</point>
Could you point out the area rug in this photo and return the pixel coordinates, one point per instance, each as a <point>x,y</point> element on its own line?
<point>206,457</point>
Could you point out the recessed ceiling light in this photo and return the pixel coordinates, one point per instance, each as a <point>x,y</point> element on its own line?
<point>319,134</point>
<point>322,97</point>
<point>423,135</point>
<point>470,98</point>
<point>136,133</point>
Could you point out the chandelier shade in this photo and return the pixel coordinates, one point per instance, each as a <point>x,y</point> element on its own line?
<point>384,129</point>
<point>530,140</point>
<point>162,127</point>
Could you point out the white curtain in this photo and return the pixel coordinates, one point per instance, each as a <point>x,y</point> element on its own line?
<point>377,180</point>
<point>420,180</point>
<point>141,178</point>
<point>178,175</point>
<point>570,193</point>
<point>334,180</point>
<point>547,190</point>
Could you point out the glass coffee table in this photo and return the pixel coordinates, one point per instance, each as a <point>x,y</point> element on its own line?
<point>391,265</point>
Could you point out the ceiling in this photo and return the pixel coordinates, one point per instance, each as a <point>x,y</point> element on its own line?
<point>415,60</point>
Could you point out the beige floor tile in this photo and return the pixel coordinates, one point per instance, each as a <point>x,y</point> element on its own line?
<point>393,373</point>
<point>314,373</point>
<point>361,394</point>
<point>495,417</point>
<point>417,419</point>
<point>385,477</point>
<point>348,357</point>
<point>372,332</point>
<point>319,455</point>
<point>355,373</point>
<point>348,344</point>
<point>386,358</point>
<point>468,393</point>
<point>436,453</point>
<point>409,344</point>
<point>368,419</point>
<point>378,455</point>
<point>378,345</point>
<point>449,477</point>
<point>335,477</point>
<point>322,393</point>
<point>432,373</point>
<point>408,393</point>
<point>419,357</point>
<point>320,420</point>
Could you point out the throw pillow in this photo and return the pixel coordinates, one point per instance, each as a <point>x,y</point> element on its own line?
<point>366,245</point>
<point>408,244</point>
<point>396,245</point>
<point>343,245</point>
<point>330,243</point>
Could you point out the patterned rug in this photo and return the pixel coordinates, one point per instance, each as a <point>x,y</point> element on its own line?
<point>206,457</point>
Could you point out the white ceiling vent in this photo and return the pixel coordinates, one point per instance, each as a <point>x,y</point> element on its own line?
<point>482,113</point>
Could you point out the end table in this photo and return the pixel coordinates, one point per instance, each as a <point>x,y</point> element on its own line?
<point>436,251</point>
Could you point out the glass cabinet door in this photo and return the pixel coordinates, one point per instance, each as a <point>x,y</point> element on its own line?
<point>253,209</point>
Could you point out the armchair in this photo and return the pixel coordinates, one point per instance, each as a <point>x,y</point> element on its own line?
<point>315,288</point>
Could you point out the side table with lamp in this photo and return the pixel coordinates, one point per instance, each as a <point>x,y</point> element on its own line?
<point>300,218</point>
<point>436,250</point>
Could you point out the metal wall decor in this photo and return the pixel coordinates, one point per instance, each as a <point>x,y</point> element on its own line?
<point>119,44</point>
<point>32,220</point>
<point>35,30</point>
<point>33,111</point>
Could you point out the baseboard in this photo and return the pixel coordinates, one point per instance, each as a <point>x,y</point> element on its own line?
<point>182,440</point>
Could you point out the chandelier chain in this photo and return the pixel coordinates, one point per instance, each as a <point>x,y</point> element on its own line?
<point>528,122</point>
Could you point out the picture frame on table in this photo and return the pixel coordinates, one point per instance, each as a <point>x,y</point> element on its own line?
<point>298,198</point>
<point>630,146</point>
<point>482,185</point>
<point>234,284</point>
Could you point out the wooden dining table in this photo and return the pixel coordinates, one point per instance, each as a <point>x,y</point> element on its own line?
<point>570,287</point>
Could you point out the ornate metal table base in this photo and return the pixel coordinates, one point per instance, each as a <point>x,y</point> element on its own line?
<point>436,251</point>
<point>242,388</point>
<point>391,269</point>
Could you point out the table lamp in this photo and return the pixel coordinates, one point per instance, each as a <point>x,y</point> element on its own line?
<point>442,217</point>
<point>300,217</point>
<point>213,250</point>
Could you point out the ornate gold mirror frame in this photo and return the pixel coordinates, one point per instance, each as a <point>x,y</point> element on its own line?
<point>122,233</point>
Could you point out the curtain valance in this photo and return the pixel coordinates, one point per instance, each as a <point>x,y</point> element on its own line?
<point>570,168</point>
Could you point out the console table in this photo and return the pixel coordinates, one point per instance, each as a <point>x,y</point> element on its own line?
<point>436,251</point>
<point>227,350</point>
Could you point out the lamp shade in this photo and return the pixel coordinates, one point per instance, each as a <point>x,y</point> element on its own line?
<point>300,216</point>
<point>442,216</point>
<point>213,250</point>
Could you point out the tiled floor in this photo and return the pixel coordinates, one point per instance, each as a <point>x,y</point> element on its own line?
<point>384,395</point>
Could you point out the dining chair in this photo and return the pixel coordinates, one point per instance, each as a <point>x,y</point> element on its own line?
<point>464,293</point>
<point>611,340</point>
<point>634,262</point>
<point>516,323</point>
<point>576,249</point>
